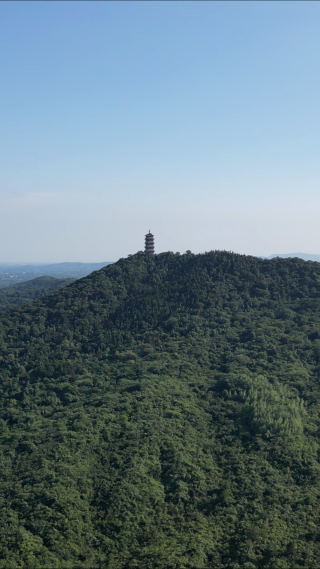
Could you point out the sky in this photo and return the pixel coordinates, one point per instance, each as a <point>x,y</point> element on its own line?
<point>197,120</point>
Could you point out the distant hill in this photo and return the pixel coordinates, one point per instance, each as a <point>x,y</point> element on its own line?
<point>304,256</point>
<point>164,413</point>
<point>10,274</point>
<point>29,291</point>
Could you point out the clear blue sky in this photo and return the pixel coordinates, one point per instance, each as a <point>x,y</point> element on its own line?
<point>198,120</point>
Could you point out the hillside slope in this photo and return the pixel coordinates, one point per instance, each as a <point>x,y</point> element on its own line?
<point>163,412</point>
<point>29,291</point>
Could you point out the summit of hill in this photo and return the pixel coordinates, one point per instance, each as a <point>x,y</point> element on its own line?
<point>163,412</point>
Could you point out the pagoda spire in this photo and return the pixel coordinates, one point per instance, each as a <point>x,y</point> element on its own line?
<point>149,243</point>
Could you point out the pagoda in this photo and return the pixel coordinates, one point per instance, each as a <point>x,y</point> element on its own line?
<point>149,243</point>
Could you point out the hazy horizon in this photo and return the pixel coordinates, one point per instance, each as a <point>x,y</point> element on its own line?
<point>307,256</point>
<point>43,263</point>
<point>198,120</point>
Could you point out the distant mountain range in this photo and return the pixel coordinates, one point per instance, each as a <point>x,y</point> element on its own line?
<point>29,291</point>
<point>304,256</point>
<point>11,274</point>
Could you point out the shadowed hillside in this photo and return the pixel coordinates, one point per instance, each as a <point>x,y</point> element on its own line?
<point>163,412</point>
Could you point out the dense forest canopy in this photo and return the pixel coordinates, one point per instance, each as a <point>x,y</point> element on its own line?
<point>163,412</point>
<point>29,291</point>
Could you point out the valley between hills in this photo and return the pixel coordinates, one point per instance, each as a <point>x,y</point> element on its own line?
<point>163,412</point>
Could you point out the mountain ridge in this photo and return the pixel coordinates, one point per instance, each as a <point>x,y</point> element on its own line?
<point>304,256</point>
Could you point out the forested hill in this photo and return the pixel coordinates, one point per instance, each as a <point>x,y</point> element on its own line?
<point>163,412</point>
<point>26,292</point>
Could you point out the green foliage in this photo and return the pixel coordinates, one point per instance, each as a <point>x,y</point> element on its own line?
<point>275,409</point>
<point>164,413</point>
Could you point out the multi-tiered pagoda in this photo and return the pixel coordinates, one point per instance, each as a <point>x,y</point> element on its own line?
<point>149,245</point>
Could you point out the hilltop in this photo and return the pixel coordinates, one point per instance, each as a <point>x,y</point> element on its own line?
<point>29,291</point>
<point>163,412</point>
